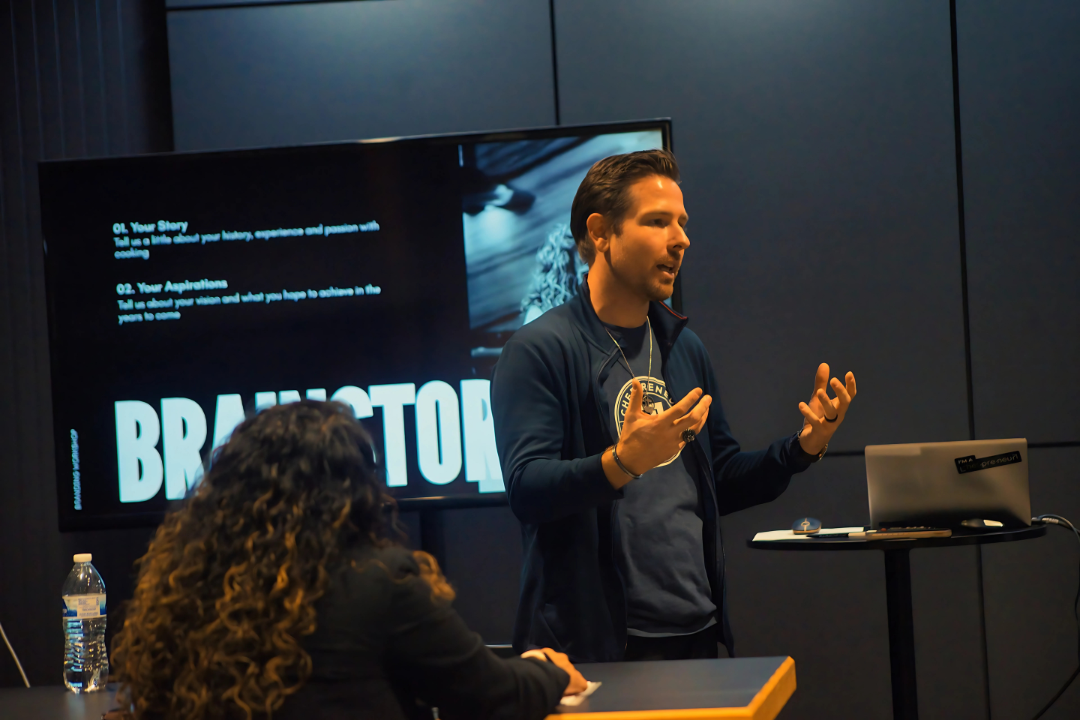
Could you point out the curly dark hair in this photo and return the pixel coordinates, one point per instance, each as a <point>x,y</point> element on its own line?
<point>228,586</point>
<point>606,190</point>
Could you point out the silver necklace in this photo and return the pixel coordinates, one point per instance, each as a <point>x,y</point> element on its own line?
<point>646,401</point>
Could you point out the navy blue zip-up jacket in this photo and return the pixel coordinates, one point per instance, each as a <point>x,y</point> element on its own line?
<point>549,408</point>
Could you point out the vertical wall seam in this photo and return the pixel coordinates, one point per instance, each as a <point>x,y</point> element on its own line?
<point>123,78</point>
<point>962,233</point>
<point>20,167</point>
<point>59,81</point>
<point>81,81</point>
<point>101,77</point>
<point>19,134</point>
<point>962,221</point>
<point>8,343</point>
<point>5,246</point>
<point>37,81</point>
<point>35,269</point>
<point>32,231</point>
<point>554,62</point>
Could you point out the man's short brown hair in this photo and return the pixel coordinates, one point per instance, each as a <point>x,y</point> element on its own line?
<point>606,190</point>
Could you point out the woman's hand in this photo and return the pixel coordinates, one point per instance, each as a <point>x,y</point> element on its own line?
<point>577,681</point>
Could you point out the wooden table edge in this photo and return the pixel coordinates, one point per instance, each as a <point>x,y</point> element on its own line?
<point>766,705</point>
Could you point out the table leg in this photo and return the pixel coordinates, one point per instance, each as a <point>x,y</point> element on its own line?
<point>901,634</point>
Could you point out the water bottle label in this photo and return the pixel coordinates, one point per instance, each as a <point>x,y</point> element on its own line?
<point>84,607</point>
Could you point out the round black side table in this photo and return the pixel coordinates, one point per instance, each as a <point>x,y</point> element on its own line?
<point>898,593</point>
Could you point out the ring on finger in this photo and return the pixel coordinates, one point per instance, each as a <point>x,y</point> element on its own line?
<point>688,435</point>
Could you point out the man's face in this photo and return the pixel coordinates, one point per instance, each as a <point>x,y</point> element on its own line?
<point>647,253</point>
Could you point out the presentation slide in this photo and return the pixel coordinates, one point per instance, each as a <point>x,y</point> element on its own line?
<point>188,291</point>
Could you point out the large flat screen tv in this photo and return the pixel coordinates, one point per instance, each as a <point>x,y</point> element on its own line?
<point>187,291</point>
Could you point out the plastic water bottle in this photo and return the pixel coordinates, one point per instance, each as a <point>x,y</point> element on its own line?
<point>86,663</point>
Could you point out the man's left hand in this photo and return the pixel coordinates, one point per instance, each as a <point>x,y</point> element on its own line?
<point>823,415</point>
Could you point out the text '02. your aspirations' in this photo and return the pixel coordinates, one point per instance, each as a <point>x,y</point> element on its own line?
<point>452,431</point>
<point>155,308</point>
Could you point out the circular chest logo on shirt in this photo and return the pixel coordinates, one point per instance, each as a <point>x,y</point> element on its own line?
<point>656,391</point>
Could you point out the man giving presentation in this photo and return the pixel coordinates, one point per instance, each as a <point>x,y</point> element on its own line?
<point>616,455</point>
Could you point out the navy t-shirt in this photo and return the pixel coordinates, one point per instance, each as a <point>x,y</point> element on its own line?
<point>660,554</point>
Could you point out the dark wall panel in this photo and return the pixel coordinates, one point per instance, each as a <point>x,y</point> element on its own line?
<point>1020,110</point>
<point>816,140</point>
<point>334,71</point>
<point>484,556</point>
<point>950,664</point>
<point>1030,588</point>
<point>77,79</point>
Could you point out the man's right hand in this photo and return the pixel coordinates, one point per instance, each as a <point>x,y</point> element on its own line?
<point>648,440</point>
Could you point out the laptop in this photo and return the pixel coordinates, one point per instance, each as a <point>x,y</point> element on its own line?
<point>944,484</point>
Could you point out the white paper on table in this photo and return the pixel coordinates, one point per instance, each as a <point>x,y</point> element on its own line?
<point>575,700</point>
<point>790,535</point>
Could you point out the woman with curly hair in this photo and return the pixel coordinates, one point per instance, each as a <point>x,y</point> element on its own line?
<point>275,592</point>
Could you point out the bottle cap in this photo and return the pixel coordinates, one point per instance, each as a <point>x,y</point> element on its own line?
<point>83,557</point>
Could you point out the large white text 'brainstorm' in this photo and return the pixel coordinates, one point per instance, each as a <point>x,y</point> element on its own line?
<point>443,422</point>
